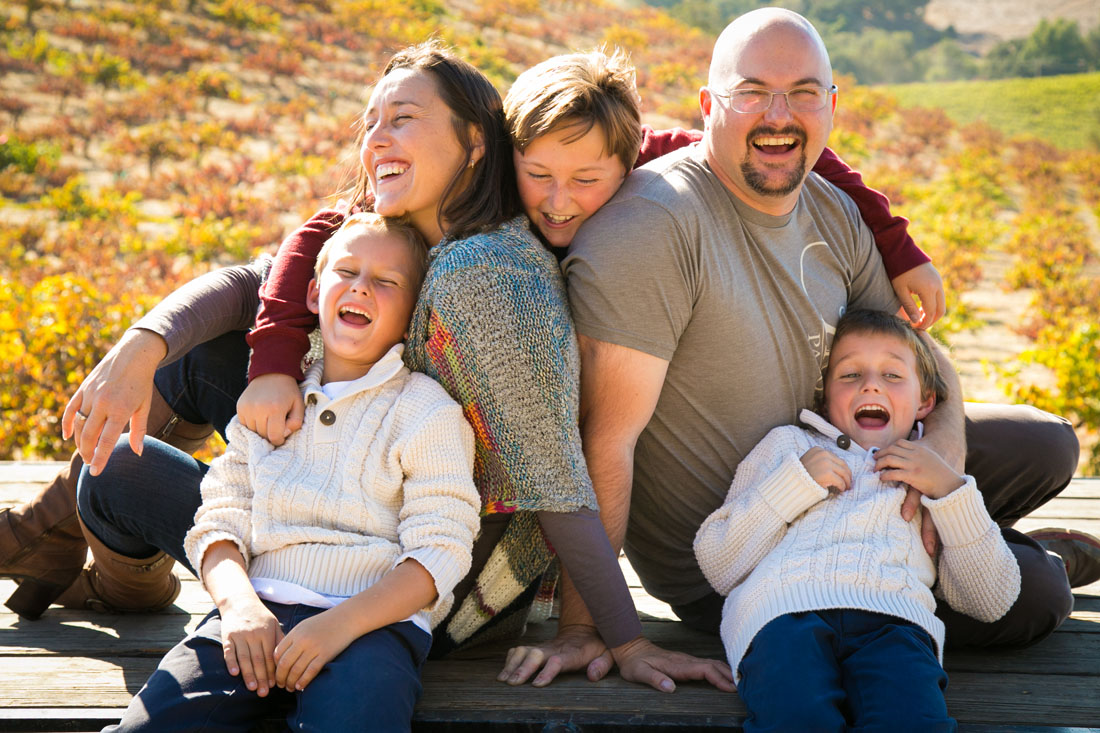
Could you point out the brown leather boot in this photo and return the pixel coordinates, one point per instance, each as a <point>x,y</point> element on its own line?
<point>41,546</point>
<point>114,583</point>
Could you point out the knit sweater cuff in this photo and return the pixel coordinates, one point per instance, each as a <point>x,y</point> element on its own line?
<point>961,517</point>
<point>790,490</point>
<point>446,570</point>
<point>196,545</point>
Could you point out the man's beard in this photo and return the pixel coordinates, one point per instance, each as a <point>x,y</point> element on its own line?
<point>758,180</point>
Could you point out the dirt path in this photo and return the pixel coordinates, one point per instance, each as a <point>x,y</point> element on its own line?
<point>976,352</point>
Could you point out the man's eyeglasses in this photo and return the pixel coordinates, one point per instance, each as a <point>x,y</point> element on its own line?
<point>809,98</point>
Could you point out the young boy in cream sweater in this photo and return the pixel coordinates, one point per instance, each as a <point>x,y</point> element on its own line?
<point>829,622</point>
<point>330,557</point>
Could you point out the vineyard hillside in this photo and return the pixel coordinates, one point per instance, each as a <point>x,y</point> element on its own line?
<point>144,143</point>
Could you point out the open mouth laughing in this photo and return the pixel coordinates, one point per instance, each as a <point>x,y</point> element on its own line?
<point>872,417</point>
<point>557,221</point>
<point>354,316</point>
<point>777,142</point>
<point>389,170</point>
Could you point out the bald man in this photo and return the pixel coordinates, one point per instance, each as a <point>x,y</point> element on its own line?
<point>706,293</point>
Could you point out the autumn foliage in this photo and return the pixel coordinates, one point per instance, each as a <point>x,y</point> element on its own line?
<point>143,143</point>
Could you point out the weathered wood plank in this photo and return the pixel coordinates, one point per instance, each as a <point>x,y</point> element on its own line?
<point>1067,507</point>
<point>1082,488</point>
<point>71,664</point>
<point>29,471</point>
<point>73,633</point>
<point>1066,652</point>
<point>466,691</point>
<point>1024,699</point>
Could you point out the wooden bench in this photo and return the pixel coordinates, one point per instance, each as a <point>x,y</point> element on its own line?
<point>76,671</point>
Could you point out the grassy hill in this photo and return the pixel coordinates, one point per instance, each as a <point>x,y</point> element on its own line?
<point>1063,110</point>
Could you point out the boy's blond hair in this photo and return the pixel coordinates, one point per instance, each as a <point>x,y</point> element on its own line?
<point>582,90</point>
<point>367,222</point>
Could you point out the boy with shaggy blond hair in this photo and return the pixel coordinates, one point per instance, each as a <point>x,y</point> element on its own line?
<point>829,621</point>
<point>331,557</point>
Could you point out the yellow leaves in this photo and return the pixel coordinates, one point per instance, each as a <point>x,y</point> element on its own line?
<point>1050,245</point>
<point>51,337</point>
<point>244,14</point>
<point>59,313</point>
<point>623,37</point>
<point>672,73</point>
<point>1069,346</point>
<point>73,201</point>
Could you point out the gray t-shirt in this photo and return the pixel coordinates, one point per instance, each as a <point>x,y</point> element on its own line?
<point>743,306</point>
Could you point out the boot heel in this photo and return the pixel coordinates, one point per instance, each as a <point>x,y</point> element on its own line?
<point>32,597</point>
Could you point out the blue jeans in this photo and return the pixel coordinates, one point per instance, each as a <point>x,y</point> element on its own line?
<point>371,685</point>
<point>841,670</point>
<point>140,505</point>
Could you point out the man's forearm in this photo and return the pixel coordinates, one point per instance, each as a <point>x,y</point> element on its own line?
<point>612,470</point>
<point>945,426</point>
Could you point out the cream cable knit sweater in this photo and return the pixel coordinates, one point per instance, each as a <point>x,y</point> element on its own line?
<point>381,474</point>
<point>781,544</point>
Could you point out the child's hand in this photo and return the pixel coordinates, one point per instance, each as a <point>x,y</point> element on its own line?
<point>827,469</point>
<point>307,649</point>
<point>923,281</point>
<point>272,407</point>
<point>250,635</point>
<point>918,466</point>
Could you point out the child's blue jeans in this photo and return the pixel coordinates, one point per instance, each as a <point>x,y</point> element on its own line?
<point>840,670</point>
<point>372,685</point>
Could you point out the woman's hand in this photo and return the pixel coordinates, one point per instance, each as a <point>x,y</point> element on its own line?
<point>250,638</point>
<point>271,406</point>
<point>923,281</point>
<point>118,390</point>
<point>304,652</point>
<point>643,661</point>
<point>577,646</point>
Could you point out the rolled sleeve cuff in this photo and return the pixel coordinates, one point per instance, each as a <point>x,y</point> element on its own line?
<point>961,517</point>
<point>445,568</point>
<point>196,546</point>
<point>790,490</point>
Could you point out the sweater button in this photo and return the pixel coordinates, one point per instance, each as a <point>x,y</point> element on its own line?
<point>328,417</point>
<point>842,441</point>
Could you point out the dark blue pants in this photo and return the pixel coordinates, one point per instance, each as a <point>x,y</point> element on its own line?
<point>372,685</point>
<point>841,670</point>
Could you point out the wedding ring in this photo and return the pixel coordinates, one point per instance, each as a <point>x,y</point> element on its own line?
<point>81,415</point>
